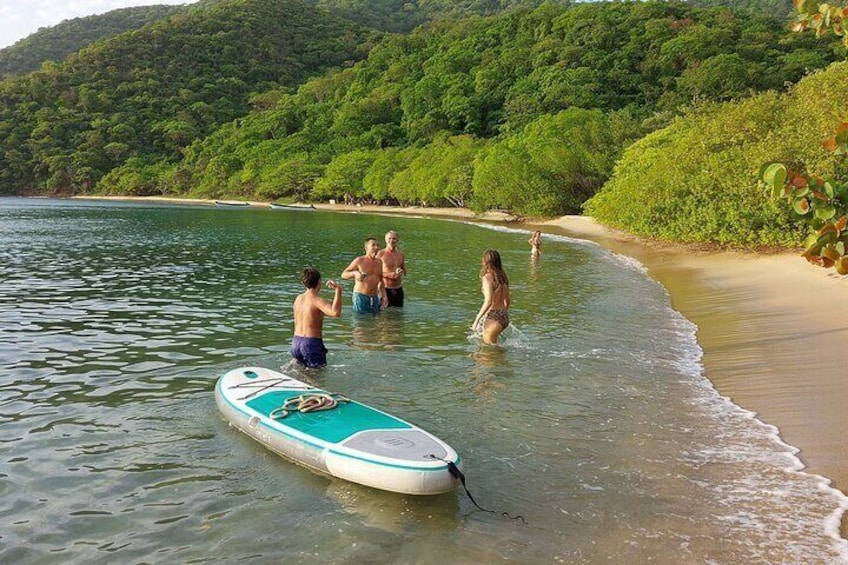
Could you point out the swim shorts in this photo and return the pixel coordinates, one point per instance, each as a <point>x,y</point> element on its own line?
<point>499,316</point>
<point>309,351</point>
<point>366,304</point>
<point>395,296</point>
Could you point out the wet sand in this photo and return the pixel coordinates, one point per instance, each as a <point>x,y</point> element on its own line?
<point>773,328</point>
<point>774,331</point>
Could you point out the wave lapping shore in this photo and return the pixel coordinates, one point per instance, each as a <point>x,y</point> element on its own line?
<point>773,329</point>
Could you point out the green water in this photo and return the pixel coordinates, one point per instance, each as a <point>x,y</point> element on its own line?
<point>593,421</point>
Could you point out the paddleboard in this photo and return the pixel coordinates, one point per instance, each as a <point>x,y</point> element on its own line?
<point>348,440</point>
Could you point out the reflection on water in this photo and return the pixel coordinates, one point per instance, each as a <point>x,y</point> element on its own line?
<point>490,369</point>
<point>381,331</point>
<point>535,267</point>
<point>394,514</point>
<point>591,418</point>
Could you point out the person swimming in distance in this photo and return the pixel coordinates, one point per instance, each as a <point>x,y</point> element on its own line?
<point>535,242</point>
<point>307,345</point>
<point>369,293</point>
<point>494,313</point>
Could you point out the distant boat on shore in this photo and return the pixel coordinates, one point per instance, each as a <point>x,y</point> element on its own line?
<point>275,206</point>
<point>223,203</point>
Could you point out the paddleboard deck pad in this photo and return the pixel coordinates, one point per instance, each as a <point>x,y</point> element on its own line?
<point>351,440</point>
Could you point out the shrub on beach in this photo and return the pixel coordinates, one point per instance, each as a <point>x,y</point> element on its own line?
<point>696,180</point>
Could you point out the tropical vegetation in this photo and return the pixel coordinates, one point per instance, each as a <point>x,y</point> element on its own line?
<point>658,114</point>
<point>527,110</point>
<point>821,202</point>
<point>143,97</point>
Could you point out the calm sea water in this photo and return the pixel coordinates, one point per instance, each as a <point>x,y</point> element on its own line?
<point>594,421</point>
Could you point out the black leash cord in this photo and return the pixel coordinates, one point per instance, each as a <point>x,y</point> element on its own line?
<point>454,470</point>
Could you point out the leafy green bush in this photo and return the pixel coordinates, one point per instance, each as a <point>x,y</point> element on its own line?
<point>696,180</point>
<point>344,175</point>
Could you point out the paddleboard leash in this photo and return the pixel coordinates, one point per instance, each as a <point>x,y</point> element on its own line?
<point>454,470</point>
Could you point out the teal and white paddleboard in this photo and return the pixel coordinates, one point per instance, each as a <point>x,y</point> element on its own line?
<point>348,440</point>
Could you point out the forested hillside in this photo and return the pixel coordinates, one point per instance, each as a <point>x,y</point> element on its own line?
<point>527,110</point>
<point>57,42</point>
<point>143,97</point>
<point>776,8</point>
<point>404,15</point>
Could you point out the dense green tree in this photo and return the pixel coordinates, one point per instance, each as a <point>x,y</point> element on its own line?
<point>440,174</point>
<point>720,77</point>
<point>344,175</point>
<point>386,166</point>
<point>555,164</point>
<point>293,178</point>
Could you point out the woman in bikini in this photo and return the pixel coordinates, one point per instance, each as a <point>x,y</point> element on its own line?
<point>535,242</point>
<point>494,314</point>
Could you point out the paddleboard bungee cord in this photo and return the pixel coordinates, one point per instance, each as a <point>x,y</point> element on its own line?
<point>314,402</point>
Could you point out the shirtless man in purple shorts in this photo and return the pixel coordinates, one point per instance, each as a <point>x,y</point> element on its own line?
<point>309,309</point>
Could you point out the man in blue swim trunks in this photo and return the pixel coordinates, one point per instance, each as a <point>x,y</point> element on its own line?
<point>369,293</point>
<point>309,309</point>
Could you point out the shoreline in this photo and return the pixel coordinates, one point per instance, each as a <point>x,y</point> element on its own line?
<point>772,327</point>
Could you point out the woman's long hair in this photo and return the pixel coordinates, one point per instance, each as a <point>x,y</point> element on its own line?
<point>491,263</point>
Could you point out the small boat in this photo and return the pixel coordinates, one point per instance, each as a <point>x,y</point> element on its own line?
<point>275,206</point>
<point>226,203</point>
<point>334,435</point>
